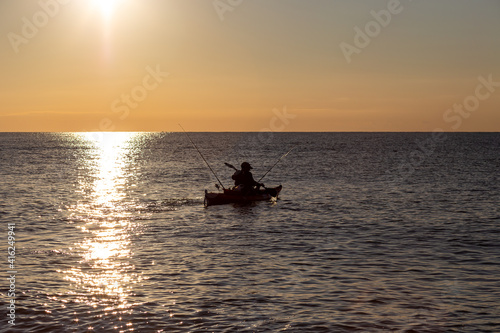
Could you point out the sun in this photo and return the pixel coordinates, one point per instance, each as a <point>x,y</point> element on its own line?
<point>106,7</point>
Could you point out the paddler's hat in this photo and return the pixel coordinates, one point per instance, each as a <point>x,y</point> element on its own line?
<point>246,165</point>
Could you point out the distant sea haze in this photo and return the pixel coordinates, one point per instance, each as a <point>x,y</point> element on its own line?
<point>373,232</point>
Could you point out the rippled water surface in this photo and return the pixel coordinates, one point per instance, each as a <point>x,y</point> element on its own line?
<point>373,232</point>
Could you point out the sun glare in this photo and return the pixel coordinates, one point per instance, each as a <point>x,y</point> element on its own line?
<point>106,7</point>
<point>107,10</point>
<point>104,275</point>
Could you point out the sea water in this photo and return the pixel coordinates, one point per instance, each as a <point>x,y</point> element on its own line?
<point>373,232</point>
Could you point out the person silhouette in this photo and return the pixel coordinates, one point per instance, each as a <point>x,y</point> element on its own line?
<point>243,180</point>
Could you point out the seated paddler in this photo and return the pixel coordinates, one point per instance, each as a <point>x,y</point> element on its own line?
<point>243,180</point>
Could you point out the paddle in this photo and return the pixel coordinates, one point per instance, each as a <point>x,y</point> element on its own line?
<point>231,166</point>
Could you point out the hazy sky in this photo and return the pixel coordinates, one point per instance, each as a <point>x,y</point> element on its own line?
<point>248,65</point>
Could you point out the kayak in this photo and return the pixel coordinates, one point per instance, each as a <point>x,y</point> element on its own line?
<point>232,196</point>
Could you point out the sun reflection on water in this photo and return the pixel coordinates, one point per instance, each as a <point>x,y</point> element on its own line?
<point>104,275</point>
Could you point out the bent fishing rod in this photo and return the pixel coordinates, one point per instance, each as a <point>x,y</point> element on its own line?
<point>199,152</point>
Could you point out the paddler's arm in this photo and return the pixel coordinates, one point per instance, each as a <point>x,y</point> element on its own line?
<point>256,183</point>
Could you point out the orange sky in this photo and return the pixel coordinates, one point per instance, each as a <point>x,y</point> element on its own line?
<point>284,65</point>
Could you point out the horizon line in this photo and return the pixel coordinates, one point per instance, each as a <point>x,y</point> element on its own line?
<point>2,132</point>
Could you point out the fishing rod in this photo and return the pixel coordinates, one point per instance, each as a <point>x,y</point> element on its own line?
<point>276,163</point>
<point>199,152</point>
